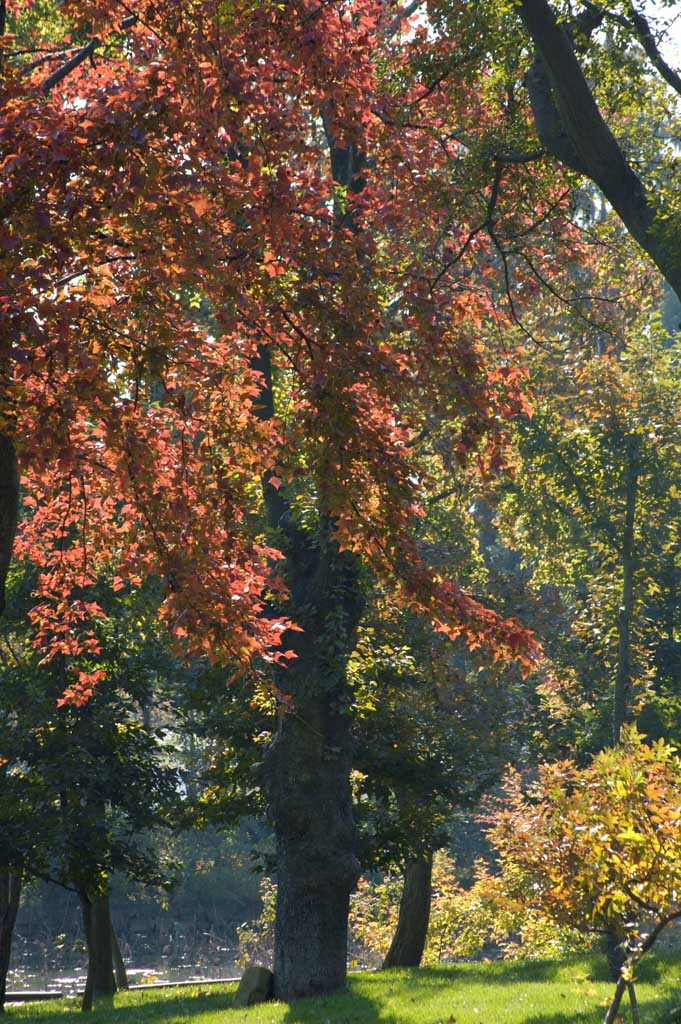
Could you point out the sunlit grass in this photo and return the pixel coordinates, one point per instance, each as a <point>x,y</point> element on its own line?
<point>544,992</point>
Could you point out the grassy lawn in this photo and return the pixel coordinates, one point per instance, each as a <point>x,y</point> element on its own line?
<point>492,993</point>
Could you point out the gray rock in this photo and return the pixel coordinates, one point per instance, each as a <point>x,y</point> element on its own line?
<point>256,986</point>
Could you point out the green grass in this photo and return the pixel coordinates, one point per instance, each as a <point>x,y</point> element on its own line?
<point>546,992</point>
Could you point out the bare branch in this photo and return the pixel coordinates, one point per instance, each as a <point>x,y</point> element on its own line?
<point>45,59</point>
<point>519,158</point>
<point>405,12</point>
<point>61,73</point>
<point>652,52</point>
<point>639,24</point>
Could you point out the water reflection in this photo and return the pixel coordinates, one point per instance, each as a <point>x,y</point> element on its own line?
<point>23,978</point>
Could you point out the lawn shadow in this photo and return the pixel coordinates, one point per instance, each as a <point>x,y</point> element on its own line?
<point>594,1016</point>
<point>358,1007</point>
<point>647,971</point>
<point>498,972</point>
<point>347,1008</point>
<point>652,1011</point>
<point>183,1006</point>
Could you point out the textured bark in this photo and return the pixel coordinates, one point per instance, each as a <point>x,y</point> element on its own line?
<point>9,509</point>
<point>571,127</point>
<point>120,972</point>
<point>100,985</point>
<point>10,890</point>
<point>307,771</point>
<point>409,940</point>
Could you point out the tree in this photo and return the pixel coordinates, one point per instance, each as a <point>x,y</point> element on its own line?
<point>409,940</point>
<point>593,510</point>
<point>433,730</point>
<point>10,893</point>
<point>84,788</point>
<point>603,101</point>
<point>597,848</point>
<point>434,722</point>
<point>256,467</point>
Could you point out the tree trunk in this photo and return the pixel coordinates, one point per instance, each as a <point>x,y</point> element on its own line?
<point>572,128</point>
<point>615,956</point>
<point>409,940</point>
<point>10,890</point>
<point>100,985</point>
<point>120,972</point>
<point>635,1016</point>
<point>307,771</point>
<point>622,693</point>
<point>611,1015</point>
<point>9,509</point>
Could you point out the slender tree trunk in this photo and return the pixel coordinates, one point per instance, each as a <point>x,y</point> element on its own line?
<point>100,985</point>
<point>409,940</point>
<point>9,509</point>
<point>120,972</point>
<point>615,956</point>
<point>622,692</point>
<point>10,891</point>
<point>624,985</point>
<point>633,1002</point>
<point>611,1015</point>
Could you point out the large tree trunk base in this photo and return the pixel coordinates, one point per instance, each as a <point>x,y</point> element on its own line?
<point>306,770</point>
<point>316,865</point>
<point>308,784</point>
<point>311,948</point>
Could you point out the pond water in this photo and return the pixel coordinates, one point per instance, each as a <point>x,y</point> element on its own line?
<point>70,982</point>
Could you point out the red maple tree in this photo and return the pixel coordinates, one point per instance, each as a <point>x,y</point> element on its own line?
<point>248,254</point>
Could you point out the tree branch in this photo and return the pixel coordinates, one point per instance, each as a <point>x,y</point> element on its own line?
<point>571,127</point>
<point>641,28</point>
<point>61,73</point>
<point>652,52</point>
<point>406,12</point>
<point>81,55</point>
